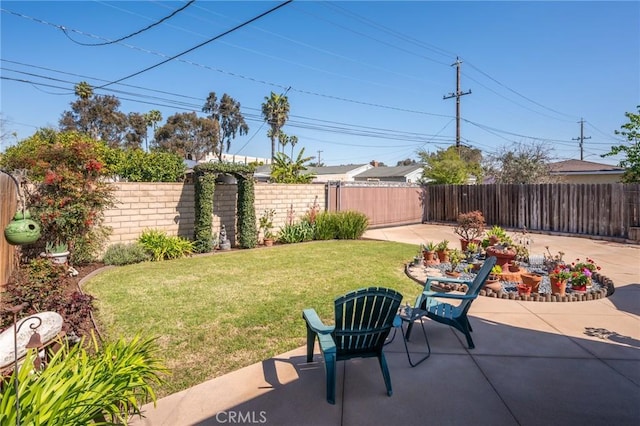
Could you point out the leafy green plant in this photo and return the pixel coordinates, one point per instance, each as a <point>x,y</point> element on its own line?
<point>164,247</point>
<point>70,194</point>
<point>442,245</point>
<point>136,165</point>
<point>296,233</point>
<point>125,254</point>
<point>351,225</point>
<point>455,257</point>
<point>52,248</point>
<point>81,388</point>
<point>326,225</point>
<point>266,223</point>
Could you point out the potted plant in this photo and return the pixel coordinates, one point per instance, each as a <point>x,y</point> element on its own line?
<point>503,253</point>
<point>496,235</point>
<point>559,278</point>
<point>493,281</point>
<point>266,225</point>
<point>532,280</point>
<point>57,252</point>
<point>455,257</point>
<point>442,249</point>
<point>429,252</point>
<point>470,227</point>
<point>582,274</point>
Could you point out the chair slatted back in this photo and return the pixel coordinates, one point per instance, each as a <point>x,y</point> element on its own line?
<point>363,319</point>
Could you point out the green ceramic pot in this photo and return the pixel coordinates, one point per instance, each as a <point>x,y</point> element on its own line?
<point>22,229</point>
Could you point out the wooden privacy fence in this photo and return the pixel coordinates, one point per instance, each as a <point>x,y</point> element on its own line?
<point>384,205</point>
<point>8,204</point>
<point>607,210</point>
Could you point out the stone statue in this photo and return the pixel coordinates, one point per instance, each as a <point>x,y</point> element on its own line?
<point>225,244</point>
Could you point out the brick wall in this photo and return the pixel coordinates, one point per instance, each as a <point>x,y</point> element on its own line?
<point>165,206</point>
<point>170,207</point>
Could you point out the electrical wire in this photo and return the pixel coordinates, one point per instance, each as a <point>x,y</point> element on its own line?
<point>174,13</point>
<point>199,45</point>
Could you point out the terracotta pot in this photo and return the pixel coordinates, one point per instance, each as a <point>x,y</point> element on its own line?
<point>558,286</point>
<point>524,290</point>
<point>268,242</point>
<point>452,273</point>
<point>493,285</point>
<point>579,287</point>
<point>531,280</point>
<point>465,243</point>
<point>514,268</point>
<point>429,256</point>
<point>501,258</point>
<point>443,256</point>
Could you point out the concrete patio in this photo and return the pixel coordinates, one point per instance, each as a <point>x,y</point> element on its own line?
<point>535,363</point>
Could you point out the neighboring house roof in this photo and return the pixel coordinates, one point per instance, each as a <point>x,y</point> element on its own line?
<point>389,172</point>
<point>336,170</point>
<point>583,167</point>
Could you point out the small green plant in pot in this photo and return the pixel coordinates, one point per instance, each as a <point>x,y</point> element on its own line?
<point>57,252</point>
<point>455,257</point>
<point>265,223</point>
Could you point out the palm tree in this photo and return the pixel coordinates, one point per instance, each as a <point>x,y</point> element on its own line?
<point>83,90</point>
<point>275,111</point>
<point>152,117</point>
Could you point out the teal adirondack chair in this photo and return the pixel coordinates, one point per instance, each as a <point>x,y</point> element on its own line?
<point>363,319</point>
<point>446,313</point>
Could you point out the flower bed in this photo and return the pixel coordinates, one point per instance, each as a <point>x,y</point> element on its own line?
<point>601,286</point>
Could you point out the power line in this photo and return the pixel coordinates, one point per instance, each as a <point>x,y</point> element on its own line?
<point>175,12</point>
<point>237,27</point>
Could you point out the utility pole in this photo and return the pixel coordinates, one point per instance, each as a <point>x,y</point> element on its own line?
<point>319,162</point>
<point>457,95</point>
<point>581,138</point>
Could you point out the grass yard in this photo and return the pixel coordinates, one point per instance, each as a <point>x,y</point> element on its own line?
<point>217,313</point>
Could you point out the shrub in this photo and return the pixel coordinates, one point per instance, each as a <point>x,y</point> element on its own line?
<point>296,233</point>
<point>325,226</point>
<point>80,388</point>
<point>125,254</point>
<point>351,225</point>
<point>136,165</point>
<point>345,225</point>
<point>70,194</point>
<point>164,247</point>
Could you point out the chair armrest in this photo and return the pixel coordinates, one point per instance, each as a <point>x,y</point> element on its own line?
<point>315,325</point>
<point>314,322</point>
<point>449,295</point>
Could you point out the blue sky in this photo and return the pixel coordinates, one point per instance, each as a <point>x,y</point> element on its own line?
<point>365,79</point>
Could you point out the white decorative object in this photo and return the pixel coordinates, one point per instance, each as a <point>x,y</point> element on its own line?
<point>48,330</point>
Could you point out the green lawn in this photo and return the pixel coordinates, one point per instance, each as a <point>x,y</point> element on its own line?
<point>217,313</point>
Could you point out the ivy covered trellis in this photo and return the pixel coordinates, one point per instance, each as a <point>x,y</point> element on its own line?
<point>204,178</point>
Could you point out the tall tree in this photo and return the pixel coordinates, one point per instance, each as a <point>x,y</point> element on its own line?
<point>136,131</point>
<point>631,162</point>
<point>447,166</point>
<point>152,118</point>
<point>188,135</point>
<point>522,164</point>
<point>275,111</point>
<point>95,115</point>
<point>228,117</point>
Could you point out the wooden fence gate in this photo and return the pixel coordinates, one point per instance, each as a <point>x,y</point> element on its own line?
<point>384,205</point>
